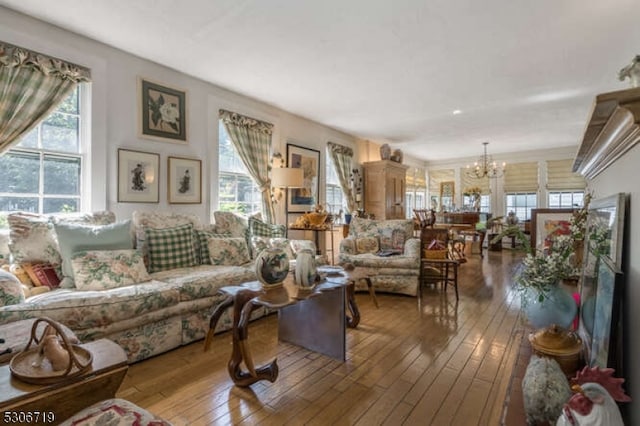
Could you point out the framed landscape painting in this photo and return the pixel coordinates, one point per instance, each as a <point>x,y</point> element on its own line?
<point>305,198</point>
<point>163,112</point>
<point>184,181</point>
<point>138,174</point>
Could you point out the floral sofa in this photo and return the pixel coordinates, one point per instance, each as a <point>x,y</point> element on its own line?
<point>396,273</point>
<point>145,297</point>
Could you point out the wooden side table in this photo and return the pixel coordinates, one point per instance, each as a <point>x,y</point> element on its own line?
<point>314,319</point>
<point>59,401</point>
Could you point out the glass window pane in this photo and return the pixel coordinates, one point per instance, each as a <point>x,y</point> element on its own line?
<point>56,205</point>
<point>19,172</point>
<point>60,133</point>
<point>531,200</point>
<point>61,175</point>
<point>12,204</point>
<point>566,199</point>
<point>578,199</point>
<point>70,104</point>
<point>30,140</point>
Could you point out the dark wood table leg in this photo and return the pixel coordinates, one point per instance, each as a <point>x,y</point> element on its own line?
<point>354,319</point>
<point>242,309</point>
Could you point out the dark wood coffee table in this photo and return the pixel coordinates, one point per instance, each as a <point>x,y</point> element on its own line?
<point>314,319</point>
<point>51,404</point>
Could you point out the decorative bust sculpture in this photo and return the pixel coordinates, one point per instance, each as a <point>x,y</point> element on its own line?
<point>632,71</point>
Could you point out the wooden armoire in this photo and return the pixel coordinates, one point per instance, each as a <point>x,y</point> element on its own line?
<point>384,189</point>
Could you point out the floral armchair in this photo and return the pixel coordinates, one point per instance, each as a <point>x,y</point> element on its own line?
<point>397,272</point>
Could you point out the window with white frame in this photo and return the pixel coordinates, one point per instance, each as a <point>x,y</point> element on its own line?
<point>236,190</point>
<point>565,199</point>
<point>334,196</point>
<point>43,172</point>
<point>521,203</point>
<point>485,202</point>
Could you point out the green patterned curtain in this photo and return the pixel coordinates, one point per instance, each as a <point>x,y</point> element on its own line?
<point>342,156</point>
<point>31,86</point>
<point>252,140</point>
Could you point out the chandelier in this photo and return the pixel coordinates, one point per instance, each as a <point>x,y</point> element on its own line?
<point>485,167</point>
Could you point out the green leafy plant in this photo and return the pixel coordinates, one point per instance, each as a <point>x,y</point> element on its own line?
<point>542,270</point>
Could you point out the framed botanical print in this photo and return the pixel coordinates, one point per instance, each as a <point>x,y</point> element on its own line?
<point>163,112</point>
<point>305,198</point>
<point>184,183</point>
<point>138,174</point>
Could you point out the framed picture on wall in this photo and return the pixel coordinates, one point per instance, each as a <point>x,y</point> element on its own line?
<point>547,224</point>
<point>184,184</point>
<point>163,112</point>
<point>303,199</point>
<point>138,174</point>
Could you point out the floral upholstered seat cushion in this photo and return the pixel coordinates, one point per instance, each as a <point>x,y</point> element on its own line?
<point>81,310</point>
<point>203,281</point>
<point>115,412</point>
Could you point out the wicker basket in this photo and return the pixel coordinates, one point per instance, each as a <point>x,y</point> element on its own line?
<point>435,254</point>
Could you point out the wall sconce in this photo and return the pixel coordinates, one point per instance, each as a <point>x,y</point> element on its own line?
<point>283,178</point>
<point>149,175</point>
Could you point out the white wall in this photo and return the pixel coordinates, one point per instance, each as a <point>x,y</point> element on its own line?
<point>114,115</point>
<point>622,177</point>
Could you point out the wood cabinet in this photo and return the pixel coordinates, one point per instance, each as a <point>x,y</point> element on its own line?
<point>384,189</point>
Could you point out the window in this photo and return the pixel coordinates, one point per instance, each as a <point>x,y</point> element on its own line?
<point>334,196</point>
<point>566,199</point>
<point>521,203</point>
<point>485,202</point>
<point>43,172</point>
<point>420,197</point>
<point>236,190</point>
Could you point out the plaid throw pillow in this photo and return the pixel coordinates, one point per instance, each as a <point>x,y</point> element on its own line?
<point>202,244</point>
<point>170,248</point>
<point>259,228</point>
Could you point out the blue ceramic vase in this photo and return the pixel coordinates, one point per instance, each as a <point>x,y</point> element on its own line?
<point>557,307</point>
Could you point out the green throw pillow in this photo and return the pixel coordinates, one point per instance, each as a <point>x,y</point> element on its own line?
<point>74,237</point>
<point>170,248</point>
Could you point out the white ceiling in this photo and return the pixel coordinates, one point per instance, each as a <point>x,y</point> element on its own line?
<point>523,72</point>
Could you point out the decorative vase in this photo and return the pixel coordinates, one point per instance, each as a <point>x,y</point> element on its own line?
<point>305,273</point>
<point>385,152</point>
<point>397,156</point>
<point>347,218</point>
<point>558,307</point>
<point>272,267</point>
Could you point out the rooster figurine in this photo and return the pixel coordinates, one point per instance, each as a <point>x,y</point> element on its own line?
<point>595,400</point>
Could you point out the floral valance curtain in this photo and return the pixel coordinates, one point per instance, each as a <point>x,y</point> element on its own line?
<point>252,140</point>
<point>31,86</point>
<point>342,156</point>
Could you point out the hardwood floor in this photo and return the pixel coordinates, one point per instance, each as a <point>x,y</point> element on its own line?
<point>436,364</point>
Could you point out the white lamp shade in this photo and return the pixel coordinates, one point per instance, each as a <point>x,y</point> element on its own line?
<point>287,177</point>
